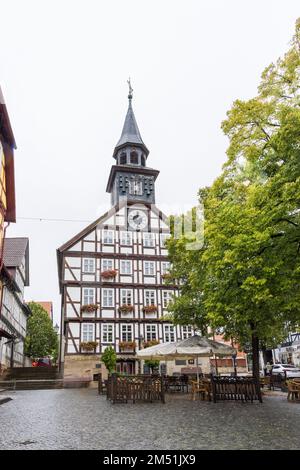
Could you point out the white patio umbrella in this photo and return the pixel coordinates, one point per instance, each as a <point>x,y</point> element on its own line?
<point>195,346</point>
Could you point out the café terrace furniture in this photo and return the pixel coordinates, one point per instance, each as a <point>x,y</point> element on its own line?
<point>176,383</point>
<point>134,388</point>
<point>201,388</point>
<point>235,388</point>
<point>293,390</point>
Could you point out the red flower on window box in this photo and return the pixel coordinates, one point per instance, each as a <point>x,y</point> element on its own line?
<point>109,274</point>
<point>126,308</point>
<point>150,308</point>
<point>127,345</point>
<point>89,308</point>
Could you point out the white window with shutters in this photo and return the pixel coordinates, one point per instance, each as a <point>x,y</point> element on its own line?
<point>107,333</point>
<point>125,267</point>
<point>88,265</point>
<point>169,331</point>
<point>108,298</point>
<point>149,268</point>
<point>87,332</point>
<point>88,296</point>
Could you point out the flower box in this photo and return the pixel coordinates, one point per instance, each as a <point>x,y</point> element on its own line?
<point>152,342</point>
<point>126,308</point>
<point>127,345</point>
<point>109,274</point>
<point>150,309</point>
<point>88,346</point>
<point>89,308</point>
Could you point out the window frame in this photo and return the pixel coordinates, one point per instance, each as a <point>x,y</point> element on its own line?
<point>152,291</point>
<point>106,297</point>
<point>148,236</point>
<point>107,268</point>
<point>149,263</point>
<point>126,328</point>
<point>128,262</point>
<point>105,237</point>
<point>149,330</point>
<point>88,295</point>
<point>103,333</point>
<point>126,296</point>
<point>165,302</point>
<point>86,336</point>
<point>87,261</point>
<point>168,333</point>
<point>124,235</point>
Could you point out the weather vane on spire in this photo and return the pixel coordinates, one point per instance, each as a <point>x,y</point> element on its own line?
<point>130,89</point>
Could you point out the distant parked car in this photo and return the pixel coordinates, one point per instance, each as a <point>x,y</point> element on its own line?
<point>289,369</point>
<point>44,362</point>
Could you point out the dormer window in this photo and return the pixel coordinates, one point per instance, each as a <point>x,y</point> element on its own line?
<point>134,158</point>
<point>143,161</point>
<point>123,158</point>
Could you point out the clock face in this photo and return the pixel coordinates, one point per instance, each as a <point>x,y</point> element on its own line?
<point>137,219</point>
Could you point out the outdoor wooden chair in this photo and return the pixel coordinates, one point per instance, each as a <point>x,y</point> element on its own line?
<point>201,389</point>
<point>293,390</point>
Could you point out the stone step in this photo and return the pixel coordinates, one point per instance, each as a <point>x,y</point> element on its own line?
<point>32,384</point>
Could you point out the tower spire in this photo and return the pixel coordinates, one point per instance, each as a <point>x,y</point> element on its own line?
<point>130,89</point>
<point>130,132</point>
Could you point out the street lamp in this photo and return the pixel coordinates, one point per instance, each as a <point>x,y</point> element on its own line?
<point>56,328</point>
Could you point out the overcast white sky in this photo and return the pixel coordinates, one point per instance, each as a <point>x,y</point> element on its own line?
<point>63,71</point>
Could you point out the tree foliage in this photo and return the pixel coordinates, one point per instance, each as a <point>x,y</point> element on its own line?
<point>41,338</point>
<point>246,278</point>
<point>109,358</point>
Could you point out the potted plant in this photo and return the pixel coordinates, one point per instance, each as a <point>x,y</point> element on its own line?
<point>127,345</point>
<point>89,308</point>
<point>126,308</point>
<point>109,359</point>
<point>109,274</point>
<point>88,345</point>
<point>150,308</point>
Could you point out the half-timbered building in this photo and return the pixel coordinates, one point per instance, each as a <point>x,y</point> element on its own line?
<point>112,275</point>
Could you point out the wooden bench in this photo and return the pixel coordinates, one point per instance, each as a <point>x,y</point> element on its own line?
<point>235,388</point>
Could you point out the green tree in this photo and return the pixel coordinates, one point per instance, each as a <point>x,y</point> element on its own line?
<point>246,278</point>
<point>109,358</point>
<point>41,338</point>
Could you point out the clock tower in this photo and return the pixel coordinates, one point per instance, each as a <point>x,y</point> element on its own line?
<point>130,179</point>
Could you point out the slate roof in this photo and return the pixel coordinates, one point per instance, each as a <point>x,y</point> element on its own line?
<point>130,133</point>
<point>14,250</point>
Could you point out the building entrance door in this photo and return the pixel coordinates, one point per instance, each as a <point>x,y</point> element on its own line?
<point>126,367</point>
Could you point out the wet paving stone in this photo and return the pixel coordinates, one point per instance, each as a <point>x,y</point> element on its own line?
<point>80,419</point>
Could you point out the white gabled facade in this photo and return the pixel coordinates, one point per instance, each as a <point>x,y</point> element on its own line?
<point>116,267</point>
<point>140,261</point>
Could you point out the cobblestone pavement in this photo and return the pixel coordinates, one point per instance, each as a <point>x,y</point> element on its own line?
<point>80,419</point>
